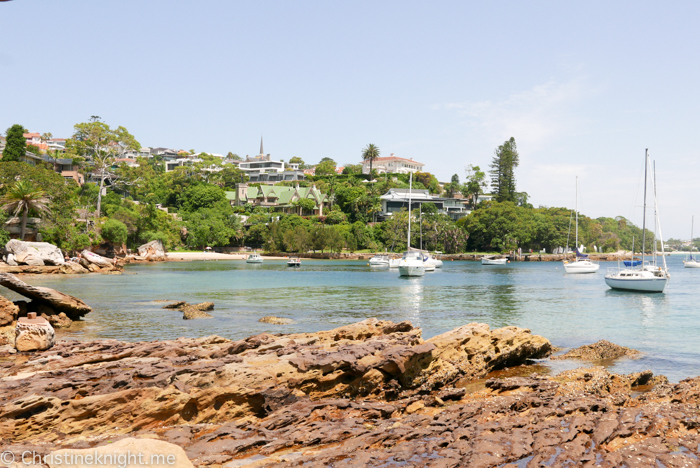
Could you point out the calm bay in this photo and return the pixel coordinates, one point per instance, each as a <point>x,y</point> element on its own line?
<point>569,310</point>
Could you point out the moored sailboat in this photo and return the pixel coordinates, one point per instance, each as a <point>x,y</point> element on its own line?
<point>411,263</point>
<point>581,263</point>
<point>648,277</point>
<point>691,261</point>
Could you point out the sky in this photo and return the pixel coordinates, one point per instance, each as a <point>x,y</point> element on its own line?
<point>583,87</point>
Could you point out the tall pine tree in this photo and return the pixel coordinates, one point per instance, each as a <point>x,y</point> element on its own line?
<point>502,171</point>
<point>16,144</point>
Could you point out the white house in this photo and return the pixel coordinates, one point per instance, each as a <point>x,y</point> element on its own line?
<point>393,164</point>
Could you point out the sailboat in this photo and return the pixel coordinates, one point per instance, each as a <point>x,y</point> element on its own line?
<point>648,277</point>
<point>411,263</point>
<point>581,264</point>
<point>690,261</point>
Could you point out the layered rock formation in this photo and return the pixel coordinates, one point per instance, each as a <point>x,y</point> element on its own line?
<point>369,394</point>
<point>55,301</point>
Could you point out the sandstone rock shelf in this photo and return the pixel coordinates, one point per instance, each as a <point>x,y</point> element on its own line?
<point>369,394</point>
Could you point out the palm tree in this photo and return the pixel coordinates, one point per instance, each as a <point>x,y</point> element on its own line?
<point>22,197</point>
<point>370,153</point>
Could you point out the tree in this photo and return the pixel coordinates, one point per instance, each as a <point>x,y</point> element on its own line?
<point>475,185</point>
<point>16,145</point>
<point>305,205</point>
<point>503,165</point>
<point>296,160</point>
<point>454,186</point>
<point>325,167</point>
<point>370,153</point>
<point>22,197</point>
<point>233,156</point>
<point>352,169</point>
<point>101,145</point>
<point>115,231</point>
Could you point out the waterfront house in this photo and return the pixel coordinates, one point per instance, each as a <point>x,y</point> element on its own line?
<point>393,165</point>
<point>396,199</point>
<point>279,198</point>
<point>63,166</point>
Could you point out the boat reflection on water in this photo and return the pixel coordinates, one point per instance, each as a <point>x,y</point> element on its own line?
<point>412,295</point>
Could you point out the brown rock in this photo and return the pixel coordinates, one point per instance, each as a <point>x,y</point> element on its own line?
<point>470,352</point>
<point>203,306</point>
<point>8,312</point>
<point>175,305</point>
<point>58,320</point>
<point>415,406</point>
<point>598,351</point>
<point>72,268</point>
<point>191,312</point>
<point>33,333</point>
<point>141,451</point>
<point>73,307</point>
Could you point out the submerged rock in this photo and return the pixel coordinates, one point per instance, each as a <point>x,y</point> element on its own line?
<point>276,320</point>
<point>192,312</point>
<point>33,333</point>
<point>598,351</point>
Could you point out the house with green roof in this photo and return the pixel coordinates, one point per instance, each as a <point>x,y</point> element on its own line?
<point>280,198</point>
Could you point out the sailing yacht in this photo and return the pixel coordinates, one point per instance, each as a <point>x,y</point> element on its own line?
<point>411,263</point>
<point>648,277</point>
<point>690,261</point>
<point>581,263</point>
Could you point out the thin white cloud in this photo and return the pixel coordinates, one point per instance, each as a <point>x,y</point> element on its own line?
<point>535,117</point>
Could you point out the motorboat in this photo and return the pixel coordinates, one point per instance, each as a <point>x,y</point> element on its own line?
<point>294,262</point>
<point>412,264</point>
<point>254,258</point>
<point>379,260</point>
<point>581,263</point>
<point>394,262</point>
<point>648,277</point>
<point>690,261</point>
<point>492,260</point>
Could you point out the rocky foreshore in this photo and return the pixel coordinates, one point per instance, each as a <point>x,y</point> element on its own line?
<point>372,393</point>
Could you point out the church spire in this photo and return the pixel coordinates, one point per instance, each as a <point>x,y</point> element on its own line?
<point>261,145</point>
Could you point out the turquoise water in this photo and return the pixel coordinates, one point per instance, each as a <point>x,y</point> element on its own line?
<point>570,310</point>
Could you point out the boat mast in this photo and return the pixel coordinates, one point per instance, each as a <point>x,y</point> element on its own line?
<point>410,187</point>
<point>692,222</point>
<point>576,215</point>
<point>644,215</point>
<point>656,211</point>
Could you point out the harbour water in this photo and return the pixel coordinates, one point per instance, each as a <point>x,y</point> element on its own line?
<point>569,310</point>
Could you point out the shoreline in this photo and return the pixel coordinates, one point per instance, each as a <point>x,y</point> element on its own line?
<point>371,393</point>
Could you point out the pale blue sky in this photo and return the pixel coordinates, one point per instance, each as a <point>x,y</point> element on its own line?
<point>583,87</point>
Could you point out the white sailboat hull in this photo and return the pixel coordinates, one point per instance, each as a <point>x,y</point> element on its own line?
<point>637,284</point>
<point>411,270</point>
<point>254,260</point>
<point>581,267</point>
<point>394,262</point>
<point>691,264</point>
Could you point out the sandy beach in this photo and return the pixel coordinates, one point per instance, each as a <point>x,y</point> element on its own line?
<point>193,256</point>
